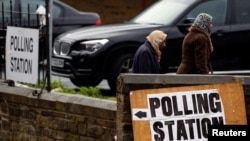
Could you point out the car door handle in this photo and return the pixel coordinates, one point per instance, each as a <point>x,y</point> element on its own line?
<point>55,23</point>
<point>220,32</point>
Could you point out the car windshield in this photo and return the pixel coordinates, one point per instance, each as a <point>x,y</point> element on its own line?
<point>162,12</point>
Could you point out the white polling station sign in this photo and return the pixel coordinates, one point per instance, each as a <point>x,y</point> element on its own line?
<point>22,45</point>
<point>184,113</point>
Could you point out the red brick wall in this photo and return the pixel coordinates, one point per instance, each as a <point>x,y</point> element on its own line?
<point>112,11</point>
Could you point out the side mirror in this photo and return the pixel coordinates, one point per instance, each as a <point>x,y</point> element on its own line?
<point>183,26</point>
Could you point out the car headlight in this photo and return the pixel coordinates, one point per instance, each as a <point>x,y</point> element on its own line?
<point>92,45</point>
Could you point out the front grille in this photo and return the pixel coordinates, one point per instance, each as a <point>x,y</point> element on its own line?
<point>61,48</point>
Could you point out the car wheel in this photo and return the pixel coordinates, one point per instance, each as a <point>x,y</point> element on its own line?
<point>86,81</point>
<point>122,65</point>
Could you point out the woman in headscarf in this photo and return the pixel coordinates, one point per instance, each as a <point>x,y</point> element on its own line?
<point>197,47</point>
<point>147,57</point>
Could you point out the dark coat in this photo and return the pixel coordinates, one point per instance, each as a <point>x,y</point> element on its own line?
<point>196,50</point>
<point>145,60</point>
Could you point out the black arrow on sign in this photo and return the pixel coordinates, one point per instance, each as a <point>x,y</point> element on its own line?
<point>141,114</point>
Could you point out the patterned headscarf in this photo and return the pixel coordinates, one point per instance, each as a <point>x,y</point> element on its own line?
<point>156,38</point>
<point>203,21</point>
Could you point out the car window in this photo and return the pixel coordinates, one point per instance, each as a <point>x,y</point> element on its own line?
<point>242,12</point>
<point>163,12</point>
<point>216,8</point>
<point>33,4</point>
<point>5,5</point>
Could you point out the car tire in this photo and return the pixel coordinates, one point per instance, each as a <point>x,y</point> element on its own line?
<point>122,65</point>
<point>86,81</point>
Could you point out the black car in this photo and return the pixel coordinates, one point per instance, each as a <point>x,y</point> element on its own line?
<point>89,55</point>
<point>64,16</point>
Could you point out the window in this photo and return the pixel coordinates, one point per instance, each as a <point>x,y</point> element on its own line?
<point>171,10</point>
<point>242,11</point>
<point>217,9</point>
<point>34,4</point>
<point>6,8</point>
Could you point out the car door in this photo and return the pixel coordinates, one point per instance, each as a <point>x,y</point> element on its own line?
<point>220,34</point>
<point>239,48</point>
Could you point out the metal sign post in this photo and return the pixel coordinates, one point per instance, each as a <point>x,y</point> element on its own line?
<point>48,39</point>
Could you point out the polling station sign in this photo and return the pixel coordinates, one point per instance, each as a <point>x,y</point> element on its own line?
<point>185,113</point>
<point>22,54</point>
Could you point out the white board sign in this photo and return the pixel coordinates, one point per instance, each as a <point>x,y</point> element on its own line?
<point>22,45</point>
<point>185,113</point>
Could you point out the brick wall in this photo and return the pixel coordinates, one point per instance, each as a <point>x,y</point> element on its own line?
<point>112,11</point>
<point>54,117</point>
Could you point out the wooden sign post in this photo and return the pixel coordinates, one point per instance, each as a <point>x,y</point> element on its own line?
<point>185,113</point>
